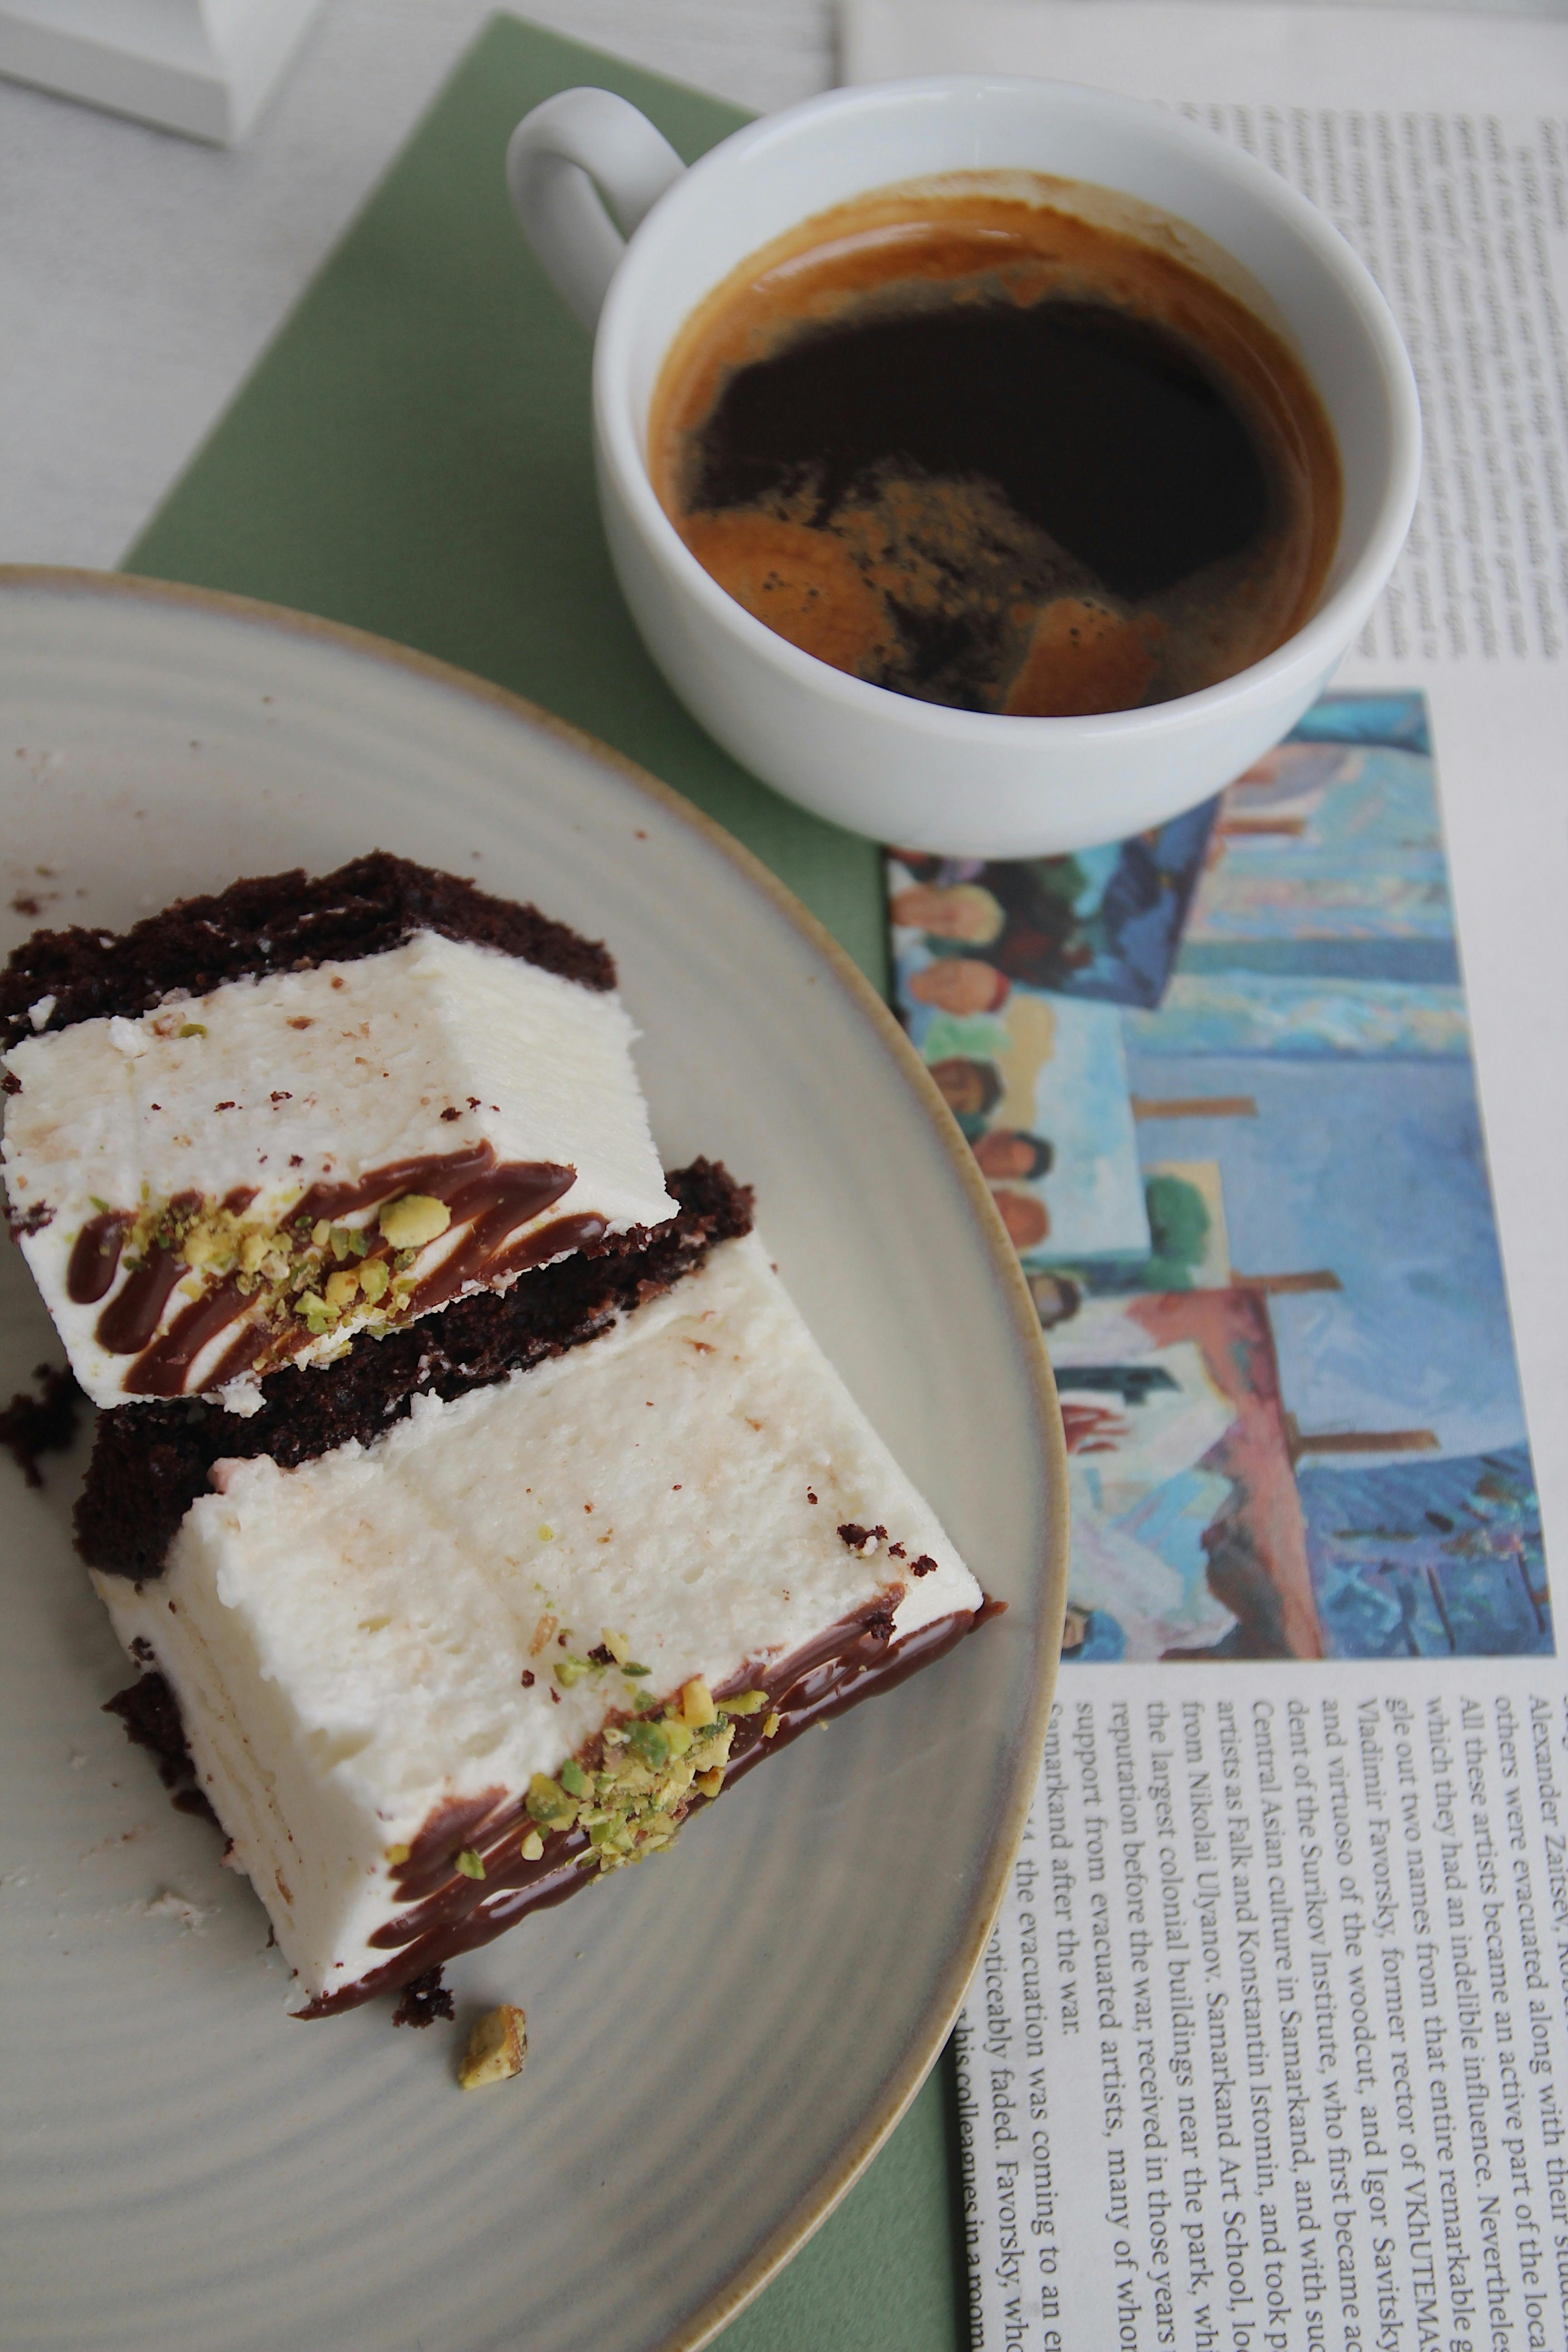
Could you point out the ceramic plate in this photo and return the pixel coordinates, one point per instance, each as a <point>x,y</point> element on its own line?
<point>720,2039</point>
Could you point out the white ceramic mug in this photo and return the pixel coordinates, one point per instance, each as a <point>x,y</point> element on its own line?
<point>883,763</point>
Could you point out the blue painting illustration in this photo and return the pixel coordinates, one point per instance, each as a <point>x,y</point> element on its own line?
<point>1104,922</point>
<point>1294,1412</point>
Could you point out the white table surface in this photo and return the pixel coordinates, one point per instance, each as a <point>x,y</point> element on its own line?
<point>141,275</point>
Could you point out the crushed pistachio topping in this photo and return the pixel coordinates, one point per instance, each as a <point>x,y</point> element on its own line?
<point>398,1854</point>
<point>471,1863</point>
<point>416,1219</point>
<point>374,1279</point>
<point>772,1725</point>
<point>619,1648</point>
<point>192,1029</point>
<point>697,1703</point>
<point>747,1702</point>
<point>497,2047</point>
<point>631,1804</point>
<point>322,1275</point>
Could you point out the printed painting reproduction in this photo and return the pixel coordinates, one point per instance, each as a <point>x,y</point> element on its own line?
<point>1219,1080</point>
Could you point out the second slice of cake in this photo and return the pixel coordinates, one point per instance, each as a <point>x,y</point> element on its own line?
<point>433,1677</point>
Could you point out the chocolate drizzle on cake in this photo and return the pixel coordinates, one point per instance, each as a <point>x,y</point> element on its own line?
<point>95,1256</point>
<point>836,1670</point>
<point>486,1199</point>
<point>150,1462</point>
<point>275,922</point>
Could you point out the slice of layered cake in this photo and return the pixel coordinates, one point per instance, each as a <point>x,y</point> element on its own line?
<point>262,1123</point>
<point>460,1625</point>
<point>476,1504</point>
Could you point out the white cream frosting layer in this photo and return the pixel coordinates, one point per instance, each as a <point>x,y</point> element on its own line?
<point>347,1640</point>
<point>276,1084</point>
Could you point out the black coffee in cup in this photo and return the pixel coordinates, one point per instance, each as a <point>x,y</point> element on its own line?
<point>967,443</point>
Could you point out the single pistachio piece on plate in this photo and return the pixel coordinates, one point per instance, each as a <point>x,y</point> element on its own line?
<point>532,1847</point>
<point>471,1863</point>
<point>414,1219</point>
<point>497,2047</point>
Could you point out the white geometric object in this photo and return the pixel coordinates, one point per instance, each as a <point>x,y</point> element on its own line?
<point>201,67</point>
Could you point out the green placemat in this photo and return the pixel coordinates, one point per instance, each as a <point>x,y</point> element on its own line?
<point>412,456</point>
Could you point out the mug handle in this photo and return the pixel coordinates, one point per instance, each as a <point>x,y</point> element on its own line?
<point>582,151</point>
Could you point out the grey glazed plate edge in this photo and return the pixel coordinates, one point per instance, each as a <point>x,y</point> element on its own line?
<point>167,769</point>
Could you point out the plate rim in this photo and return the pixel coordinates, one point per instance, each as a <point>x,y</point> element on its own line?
<point>862,2144</point>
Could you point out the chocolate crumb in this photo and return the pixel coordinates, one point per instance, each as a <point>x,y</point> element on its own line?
<point>897,1551</point>
<point>451,1113</point>
<point>600,1655</point>
<point>879,1624</point>
<point>425,1999</point>
<point>859,1538</point>
<point>141,1650</point>
<point>527,1679</point>
<point>924,1565</point>
<point>43,1424</point>
<point>150,1714</point>
<point>809,1495</point>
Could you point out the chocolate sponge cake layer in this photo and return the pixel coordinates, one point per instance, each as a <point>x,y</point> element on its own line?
<point>150,1462</point>
<point>275,922</point>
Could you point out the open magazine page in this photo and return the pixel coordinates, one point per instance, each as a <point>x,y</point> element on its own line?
<point>1270,2046</point>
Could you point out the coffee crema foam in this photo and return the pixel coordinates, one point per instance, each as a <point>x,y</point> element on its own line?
<point>984,451</point>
